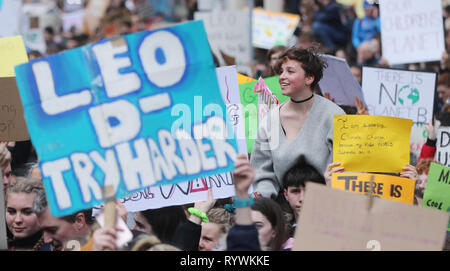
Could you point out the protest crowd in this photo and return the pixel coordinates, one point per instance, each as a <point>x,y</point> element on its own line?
<point>318,94</point>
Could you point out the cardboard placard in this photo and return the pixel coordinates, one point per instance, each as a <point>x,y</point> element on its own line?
<point>331,219</point>
<point>12,121</point>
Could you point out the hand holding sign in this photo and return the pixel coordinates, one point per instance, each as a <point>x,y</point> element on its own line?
<point>5,155</point>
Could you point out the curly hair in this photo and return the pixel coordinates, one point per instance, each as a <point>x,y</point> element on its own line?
<point>311,62</point>
<point>27,186</point>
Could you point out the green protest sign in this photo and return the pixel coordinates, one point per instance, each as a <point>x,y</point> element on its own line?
<point>437,191</point>
<point>249,100</point>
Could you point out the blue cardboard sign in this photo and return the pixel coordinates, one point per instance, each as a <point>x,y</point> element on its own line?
<point>128,113</point>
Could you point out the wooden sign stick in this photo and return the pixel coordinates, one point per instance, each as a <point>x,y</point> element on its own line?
<point>110,207</point>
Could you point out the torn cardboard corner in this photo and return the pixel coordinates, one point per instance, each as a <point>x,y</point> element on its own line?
<point>12,120</point>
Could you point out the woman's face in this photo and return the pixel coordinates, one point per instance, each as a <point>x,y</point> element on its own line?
<point>274,58</point>
<point>141,224</point>
<point>265,231</point>
<point>21,220</point>
<point>293,79</point>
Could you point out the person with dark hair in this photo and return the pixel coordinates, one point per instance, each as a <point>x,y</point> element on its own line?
<point>161,222</point>
<point>271,59</point>
<point>294,182</point>
<point>303,125</point>
<point>327,24</point>
<point>268,218</point>
<point>443,89</point>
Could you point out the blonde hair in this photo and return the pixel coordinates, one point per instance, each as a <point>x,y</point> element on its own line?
<point>221,217</point>
<point>27,186</point>
<point>152,243</point>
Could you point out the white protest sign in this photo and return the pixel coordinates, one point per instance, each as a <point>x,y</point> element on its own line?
<point>443,145</point>
<point>399,93</point>
<point>10,11</point>
<point>154,197</point>
<point>228,32</point>
<point>339,82</point>
<point>229,88</point>
<point>73,19</point>
<point>411,30</point>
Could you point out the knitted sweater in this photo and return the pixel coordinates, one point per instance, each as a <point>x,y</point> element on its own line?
<point>273,154</point>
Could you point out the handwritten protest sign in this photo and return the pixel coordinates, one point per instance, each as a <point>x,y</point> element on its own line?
<point>131,116</point>
<point>272,28</point>
<point>228,33</point>
<point>362,142</point>
<point>338,220</point>
<point>181,193</point>
<point>229,88</point>
<point>411,31</point>
<point>443,145</point>
<point>12,122</point>
<point>437,191</point>
<point>419,136</point>
<point>384,186</point>
<point>399,93</point>
<point>10,17</point>
<point>339,82</point>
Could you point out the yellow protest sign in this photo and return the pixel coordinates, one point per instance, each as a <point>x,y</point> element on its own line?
<point>384,186</point>
<point>371,143</point>
<point>12,53</point>
<point>357,4</point>
<point>244,79</point>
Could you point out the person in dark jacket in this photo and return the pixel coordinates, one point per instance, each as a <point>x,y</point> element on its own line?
<point>327,25</point>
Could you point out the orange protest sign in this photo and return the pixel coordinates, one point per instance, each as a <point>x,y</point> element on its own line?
<point>384,186</point>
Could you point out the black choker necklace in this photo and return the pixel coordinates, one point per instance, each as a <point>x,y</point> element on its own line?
<point>302,101</point>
